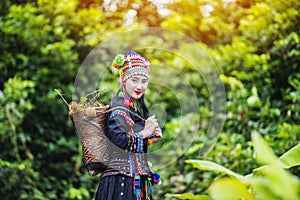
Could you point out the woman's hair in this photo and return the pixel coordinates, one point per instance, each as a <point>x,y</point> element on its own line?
<point>143,106</point>
<point>118,101</point>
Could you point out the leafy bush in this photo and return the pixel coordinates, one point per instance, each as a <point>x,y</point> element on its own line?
<point>254,44</point>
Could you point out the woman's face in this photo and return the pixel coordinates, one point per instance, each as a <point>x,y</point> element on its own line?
<point>136,86</point>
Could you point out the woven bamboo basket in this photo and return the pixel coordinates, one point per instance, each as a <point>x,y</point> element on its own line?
<point>95,144</point>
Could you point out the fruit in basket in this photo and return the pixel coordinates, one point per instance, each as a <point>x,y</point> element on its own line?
<point>90,112</point>
<point>73,106</point>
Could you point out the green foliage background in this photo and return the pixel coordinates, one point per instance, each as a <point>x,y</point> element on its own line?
<point>255,44</point>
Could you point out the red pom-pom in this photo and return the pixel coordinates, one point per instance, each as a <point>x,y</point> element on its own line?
<point>114,64</point>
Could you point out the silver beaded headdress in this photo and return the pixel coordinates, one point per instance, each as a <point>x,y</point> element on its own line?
<point>131,64</point>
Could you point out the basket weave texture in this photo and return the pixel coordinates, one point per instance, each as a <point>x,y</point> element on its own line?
<point>95,144</point>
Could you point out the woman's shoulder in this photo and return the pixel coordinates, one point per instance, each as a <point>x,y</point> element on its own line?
<point>117,102</point>
<point>118,106</point>
<point>118,111</point>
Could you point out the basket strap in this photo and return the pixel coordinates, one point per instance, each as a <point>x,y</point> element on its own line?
<point>120,107</point>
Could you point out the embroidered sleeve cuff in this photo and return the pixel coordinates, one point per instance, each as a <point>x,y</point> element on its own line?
<point>135,143</point>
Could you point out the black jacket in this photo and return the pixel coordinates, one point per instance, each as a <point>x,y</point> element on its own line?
<point>128,148</point>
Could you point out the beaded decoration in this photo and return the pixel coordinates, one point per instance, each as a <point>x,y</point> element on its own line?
<point>128,102</point>
<point>140,142</point>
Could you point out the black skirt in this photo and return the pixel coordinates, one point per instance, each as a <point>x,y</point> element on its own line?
<point>120,187</point>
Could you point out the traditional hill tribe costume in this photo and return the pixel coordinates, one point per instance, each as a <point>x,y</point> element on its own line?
<point>128,176</point>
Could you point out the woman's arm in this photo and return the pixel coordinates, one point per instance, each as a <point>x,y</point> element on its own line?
<point>120,132</point>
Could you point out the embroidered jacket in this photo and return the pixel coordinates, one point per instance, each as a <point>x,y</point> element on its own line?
<point>128,147</point>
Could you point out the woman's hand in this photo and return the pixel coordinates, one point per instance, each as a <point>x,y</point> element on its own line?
<point>157,135</point>
<point>150,128</point>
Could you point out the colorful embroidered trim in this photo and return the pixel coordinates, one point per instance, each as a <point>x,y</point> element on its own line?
<point>137,186</point>
<point>129,121</point>
<point>137,191</point>
<point>135,143</point>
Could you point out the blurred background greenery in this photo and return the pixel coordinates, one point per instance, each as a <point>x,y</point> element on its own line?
<point>255,44</point>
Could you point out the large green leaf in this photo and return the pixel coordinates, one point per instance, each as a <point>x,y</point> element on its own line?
<point>290,158</point>
<point>273,181</point>
<point>189,196</point>
<point>263,153</point>
<point>287,160</point>
<point>229,189</point>
<point>211,166</point>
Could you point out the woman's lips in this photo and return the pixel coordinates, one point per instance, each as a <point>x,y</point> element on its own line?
<point>137,92</point>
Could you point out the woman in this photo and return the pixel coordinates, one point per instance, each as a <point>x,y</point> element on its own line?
<point>127,175</point>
